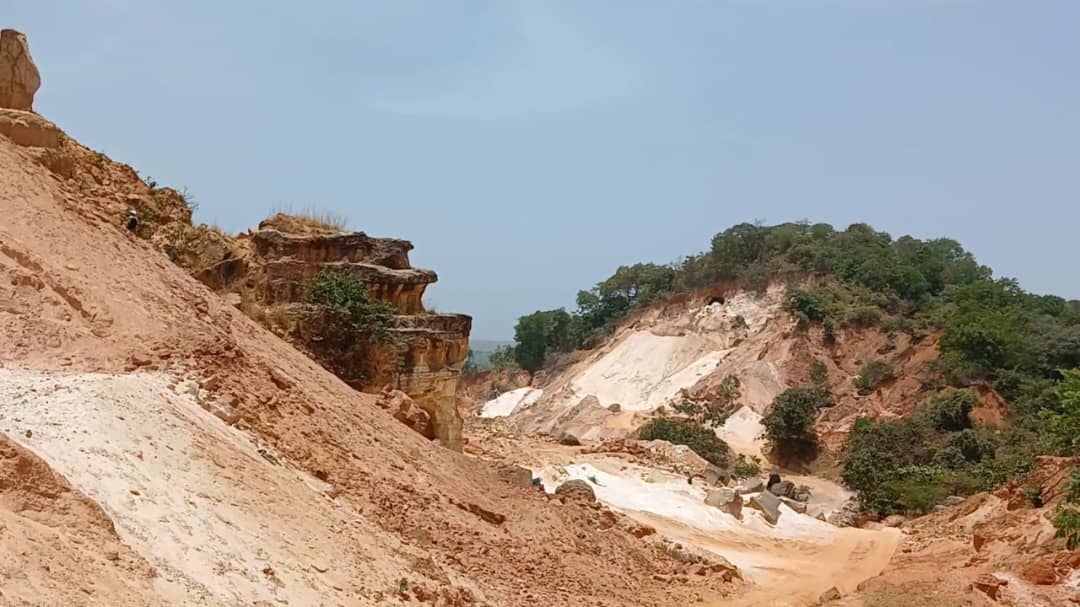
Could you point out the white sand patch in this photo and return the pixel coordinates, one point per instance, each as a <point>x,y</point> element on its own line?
<point>798,548</point>
<point>644,371</point>
<point>741,431</point>
<point>220,524</point>
<point>509,402</point>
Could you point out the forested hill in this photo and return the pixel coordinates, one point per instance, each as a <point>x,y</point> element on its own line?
<point>991,335</point>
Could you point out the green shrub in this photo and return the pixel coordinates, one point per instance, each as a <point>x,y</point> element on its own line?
<point>950,411</point>
<point>819,375</point>
<point>863,316</point>
<point>747,467</point>
<point>1067,518</point>
<point>790,423</point>
<point>344,312</point>
<point>720,405</point>
<point>872,375</point>
<point>702,441</point>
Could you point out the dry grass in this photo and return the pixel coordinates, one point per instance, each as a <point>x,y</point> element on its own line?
<point>306,221</point>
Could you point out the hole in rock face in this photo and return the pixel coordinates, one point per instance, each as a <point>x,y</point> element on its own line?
<point>716,300</point>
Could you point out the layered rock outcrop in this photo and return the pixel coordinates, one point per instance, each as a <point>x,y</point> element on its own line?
<point>271,266</point>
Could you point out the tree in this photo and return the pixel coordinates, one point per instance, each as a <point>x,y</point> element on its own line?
<point>1067,518</point>
<point>790,424</point>
<point>343,310</point>
<point>1061,427</point>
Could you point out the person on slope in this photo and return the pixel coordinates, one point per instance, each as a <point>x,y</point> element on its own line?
<point>132,221</point>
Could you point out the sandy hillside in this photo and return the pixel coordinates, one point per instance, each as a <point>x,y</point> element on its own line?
<point>392,513</point>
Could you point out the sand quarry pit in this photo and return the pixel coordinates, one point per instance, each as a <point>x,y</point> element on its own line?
<point>218,522</point>
<point>790,563</point>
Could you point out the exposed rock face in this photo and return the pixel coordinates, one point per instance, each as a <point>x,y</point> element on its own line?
<point>28,129</point>
<point>19,77</point>
<point>423,358</point>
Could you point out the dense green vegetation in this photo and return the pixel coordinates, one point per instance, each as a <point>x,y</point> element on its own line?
<point>993,336</point>
<point>701,440</point>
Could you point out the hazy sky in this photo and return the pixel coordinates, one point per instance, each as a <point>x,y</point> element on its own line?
<point>529,148</point>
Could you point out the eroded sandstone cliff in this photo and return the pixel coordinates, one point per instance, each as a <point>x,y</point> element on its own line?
<point>270,267</point>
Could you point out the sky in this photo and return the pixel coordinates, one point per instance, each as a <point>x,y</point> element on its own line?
<point>529,148</point>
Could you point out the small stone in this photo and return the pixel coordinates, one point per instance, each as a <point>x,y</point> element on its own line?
<point>832,594</point>
<point>29,434</point>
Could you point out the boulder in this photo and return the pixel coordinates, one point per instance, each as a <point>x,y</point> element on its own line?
<point>576,490</point>
<point>895,521</point>
<point>1040,573</point>
<point>750,485</point>
<point>989,585</point>
<point>953,500</point>
<point>714,475</point>
<point>768,504</point>
<point>19,77</point>
<point>565,438</point>
<point>406,411</point>
<point>614,407</point>
<point>802,494</point>
<point>726,500</point>
<point>830,595</point>
<point>847,515</point>
<point>783,489</point>
<point>795,505</point>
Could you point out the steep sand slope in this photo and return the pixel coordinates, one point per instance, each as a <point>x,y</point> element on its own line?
<point>57,546</point>
<point>81,295</point>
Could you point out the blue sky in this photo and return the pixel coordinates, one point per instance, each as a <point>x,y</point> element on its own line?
<point>529,148</point>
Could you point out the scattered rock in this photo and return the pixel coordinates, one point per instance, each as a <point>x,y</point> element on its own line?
<point>19,77</point>
<point>487,515</point>
<point>953,500</point>
<point>642,531</point>
<point>727,500</point>
<point>1040,573</point>
<point>222,409</point>
<point>802,494</point>
<point>715,475</point>
<point>614,407</point>
<point>768,504</point>
<point>830,595</point>
<point>29,434</point>
<point>989,585</point>
<point>847,515</point>
<point>895,521</point>
<point>783,489</point>
<point>576,490</point>
<point>565,438</point>
<point>280,380</point>
<point>795,505</point>
<point>750,485</point>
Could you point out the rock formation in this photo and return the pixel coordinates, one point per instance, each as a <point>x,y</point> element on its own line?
<point>19,78</point>
<point>271,266</point>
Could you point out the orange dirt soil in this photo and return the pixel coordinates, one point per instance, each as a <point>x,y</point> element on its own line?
<point>80,295</point>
